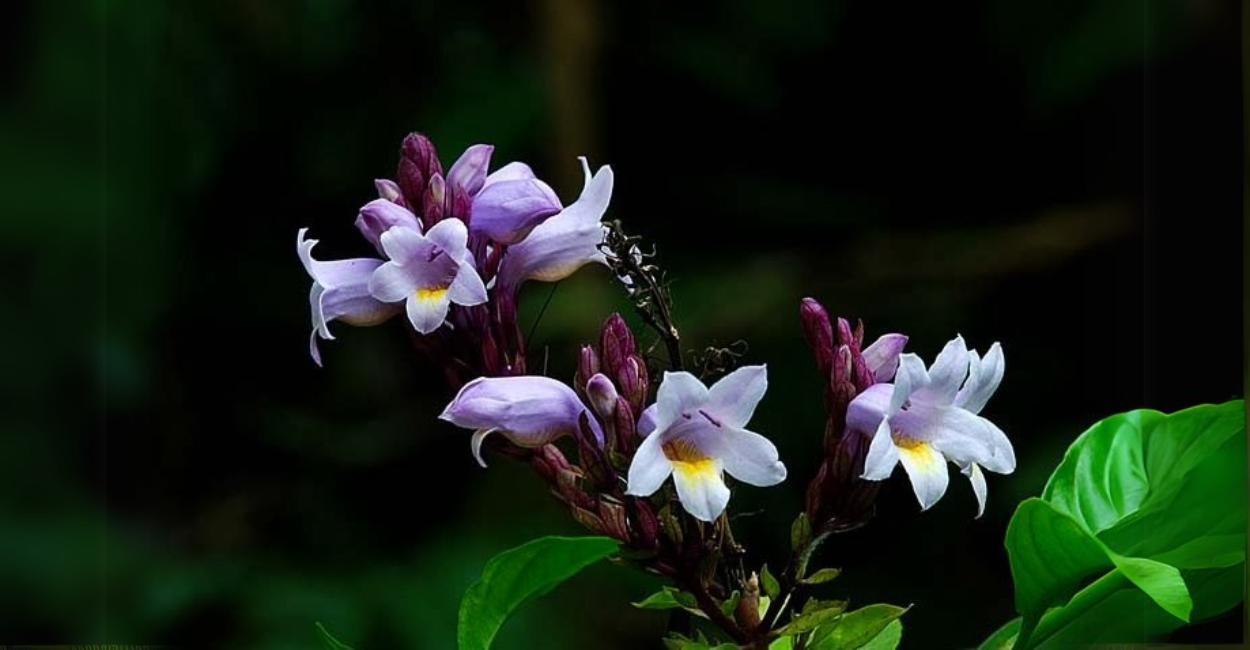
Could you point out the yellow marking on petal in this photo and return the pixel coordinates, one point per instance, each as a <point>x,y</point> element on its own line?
<point>688,460</point>
<point>918,451</point>
<point>427,295</point>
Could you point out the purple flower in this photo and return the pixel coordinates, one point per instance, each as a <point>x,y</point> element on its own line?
<point>562,244</point>
<point>340,291</point>
<point>928,417</point>
<point>379,216</point>
<point>511,203</point>
<point>428,272</point>
<point>698,434</point>
<point>530,411</point>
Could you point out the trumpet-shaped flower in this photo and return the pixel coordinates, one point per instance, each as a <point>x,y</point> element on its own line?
<point>929,416</point>
<point>428,272</point>
<point>531,411</point>
<point>340,291</point>
<point>557,247</point>
<point>698,434</point>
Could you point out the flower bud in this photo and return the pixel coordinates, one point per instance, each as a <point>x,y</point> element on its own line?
<point>632,379</point>
<point>748,612</point>
<point>418,162</point>
<point>646,525</point>
<point>549,461</point>
<point>616,343</point>
<point>625,427</point>
<point>602,396</point>
<point>587,367</point>
<point>389,190</point>
<point>615,523</point>
<point>434,201</point>
<point>818,332</point>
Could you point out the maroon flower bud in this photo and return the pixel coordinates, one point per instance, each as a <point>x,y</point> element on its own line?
<point>569,488</point>
<point>549,461</point>
<point>418,162</point>
<point>818,332</point>
<point>625,427</point>
<point>587,367</point>
<point>616,344</point>
<point>589,519</point>
<point>632,380</point>
<point>615,523</point>
<point>592,456</point>
<point>646,523</point>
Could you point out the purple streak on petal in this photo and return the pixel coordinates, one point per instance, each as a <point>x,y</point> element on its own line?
<point>882,356</point>
<point>507,211</point>
<point>379,216</point>
<point>468,174</point>
<point>452,237</point>
<point>736,395</point>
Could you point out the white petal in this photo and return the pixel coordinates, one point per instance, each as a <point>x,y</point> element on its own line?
<point>911,377</point>
<point>475,443</point>
<point>649,468</point>
<point>679,392</point>
<point>749,457</point>
<point>947,372</point>
<point>984,375</point>
<point>451,236</point>
<point>736,395</point>
<point>400,243</point>
<point>1003,460</point>
<point>428,309</point>
<point>467,289</point>
<point>974,474</point>
<point>927,470</point>
<point>882,454</point>
<point>391,282</point>
<point>701,488</point>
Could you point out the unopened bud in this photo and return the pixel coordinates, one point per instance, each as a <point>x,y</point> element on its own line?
<point>615,523</point>
<point>587,367</point>
<point>632,379</point>
<point>748,612</point>
<point>602,396</point>
<point>616,343</point>
<point>646,525</point>
<point>625,427</point>
<point>818,332</point>
<point>434,201</point>
<point>588,519</point>
<point>418,162</point>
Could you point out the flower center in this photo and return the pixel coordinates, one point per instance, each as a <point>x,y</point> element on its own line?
<point>427,295</point>
<point>687,459</point>
<point>903,442</point>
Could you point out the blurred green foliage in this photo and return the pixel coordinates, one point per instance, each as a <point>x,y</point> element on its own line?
<point>175,470</point>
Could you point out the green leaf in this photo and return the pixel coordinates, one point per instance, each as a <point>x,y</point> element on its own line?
<point>769,583</point>
<point>329,640</point>
<point>815,613</point>
<point>857,628</point>
<point>800,532</point>
<point>679,642</point>
<point>1004,638</point>
<point>730,604</point>
<point>821,576</point>
<point>1142,502</point>
<point>671,598</point>
<point>519,575</point>
<point>888,639</point>
<point>784,643</point>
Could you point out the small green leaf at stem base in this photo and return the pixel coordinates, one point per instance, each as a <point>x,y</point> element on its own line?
<point>769,583</point>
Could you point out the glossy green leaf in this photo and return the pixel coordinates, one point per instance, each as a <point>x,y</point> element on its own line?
<point>671,598</point>
<point>855,629</point>
<point>1161,582</point>
<point>519,575</point>
<point>328,639</point>
<point>888,639</point>
<point>769,583</point>
<point>815,614</point>
<point>822,576</point>
<point>1004,638</point>
<point>1050,556</point>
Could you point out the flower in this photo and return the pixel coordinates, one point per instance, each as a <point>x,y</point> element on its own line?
<point>511,203</point>
<point>531,411</point>
<point>340,291</point>
<point>928,417</point>
<point>428,272</point>
<point>699,434</point>
<point>562,244</point>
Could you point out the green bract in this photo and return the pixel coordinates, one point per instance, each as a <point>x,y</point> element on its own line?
<point>519,575</point>
<point>1141,529</point>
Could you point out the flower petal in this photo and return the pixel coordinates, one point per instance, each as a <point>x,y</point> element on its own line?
<point>882,356</point>
<point>531,410</point>
<point>468,174</point>
<point>865,413</point>
<point>340,291</point>
<point>467,289</point>
<point>649,468</point>
<point>404,244</point>
<point>927,470</point>
<point>513,171</point>
<point>1003,458</point>
<point>882,455</point>
<point>679,393</point>
<point>984,376</point>
<point>392,283</point>
<point>379,216</point>
<point>750,457</point>
<point>557,247</point>
<point>427,309</point>
<point>736,395</point>
<point>452,236</point>
<point>507,211</point>
<point>911,377</point>
<point>475,444</point>
<point>701,488</point>
<point>974,474</point>
<point>388,189</point>
<point>947,373</point>
<point>646,421</point>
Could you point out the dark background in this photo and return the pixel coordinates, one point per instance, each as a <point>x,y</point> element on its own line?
<point>1064,177</point>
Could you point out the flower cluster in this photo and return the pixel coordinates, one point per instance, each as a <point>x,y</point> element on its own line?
<point>455,248</point>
